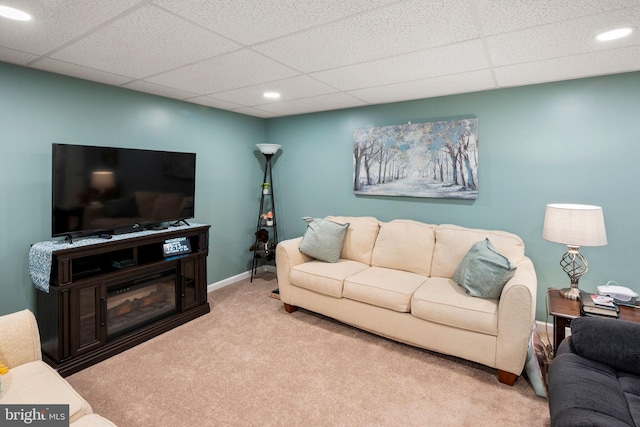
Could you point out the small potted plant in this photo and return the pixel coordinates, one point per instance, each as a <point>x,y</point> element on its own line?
<point>268,217</point>
<point>265,187</point>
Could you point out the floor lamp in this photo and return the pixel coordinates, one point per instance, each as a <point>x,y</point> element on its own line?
<point>268,150</point>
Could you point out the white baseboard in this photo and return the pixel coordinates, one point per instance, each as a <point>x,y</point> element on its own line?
<point>238,277</point>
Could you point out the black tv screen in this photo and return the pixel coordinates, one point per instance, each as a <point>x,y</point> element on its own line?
<point>109,190</point>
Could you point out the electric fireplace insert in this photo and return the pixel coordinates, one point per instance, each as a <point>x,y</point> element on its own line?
<point>135,303</point>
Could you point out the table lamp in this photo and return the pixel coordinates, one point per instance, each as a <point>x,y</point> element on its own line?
<point>101,182</point>
<point>574,226</point>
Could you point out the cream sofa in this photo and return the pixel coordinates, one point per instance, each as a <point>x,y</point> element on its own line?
<point>394,279</point>
<point>30,381</point>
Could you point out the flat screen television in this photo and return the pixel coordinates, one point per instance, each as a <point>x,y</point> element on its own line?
<point>107,190</point>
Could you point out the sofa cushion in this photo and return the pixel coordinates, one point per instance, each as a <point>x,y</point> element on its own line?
<point>630,385</point>
<point>323,239</point>
<point>325,278</point>
<point>617,350</point>
<point>167,205</point>
<point>383,287</point>
<point>145,201</point>
<point>404,245</point>
<point>483,272</point>
<point>453,243</point>
<point>441,300</point>
<point>360,238</point>
<point>39,384</point>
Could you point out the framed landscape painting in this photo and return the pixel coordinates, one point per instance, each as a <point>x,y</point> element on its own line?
<point>434,159</point>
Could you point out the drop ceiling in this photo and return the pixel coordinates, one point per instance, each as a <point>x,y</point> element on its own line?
<point>320,54</point>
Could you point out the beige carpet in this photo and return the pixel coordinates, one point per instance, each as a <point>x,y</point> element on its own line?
<point>249,363</point>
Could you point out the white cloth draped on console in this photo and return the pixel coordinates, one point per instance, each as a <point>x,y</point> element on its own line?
<point>41,253</point>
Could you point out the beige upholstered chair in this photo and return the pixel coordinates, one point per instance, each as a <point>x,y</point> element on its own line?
<point>32,381</point>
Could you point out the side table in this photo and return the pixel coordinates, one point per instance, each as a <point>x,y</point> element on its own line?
<point>564,310</point>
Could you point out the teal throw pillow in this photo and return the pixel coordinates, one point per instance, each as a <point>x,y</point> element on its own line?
<point>483,272</point>
<point>323,239</point>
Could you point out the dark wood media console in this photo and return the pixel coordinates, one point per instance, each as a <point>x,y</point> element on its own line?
<point>107,297</point>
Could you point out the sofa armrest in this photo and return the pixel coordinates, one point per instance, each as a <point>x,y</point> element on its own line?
<point>19,339</point>
<point>583,392</point>
<point>288,255</point>
<point>610,341</point>
<point>516,314</point>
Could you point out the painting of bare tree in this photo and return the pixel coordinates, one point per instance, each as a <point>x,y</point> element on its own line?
<point>436,159</point>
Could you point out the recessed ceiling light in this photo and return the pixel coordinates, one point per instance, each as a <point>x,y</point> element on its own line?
<point>11,13</point>
<point>614,34</point>
<point>271,95</point>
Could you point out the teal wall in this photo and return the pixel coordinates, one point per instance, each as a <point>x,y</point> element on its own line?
<point>39,108</point>
<point>573,141</point>
<point>568,142</point>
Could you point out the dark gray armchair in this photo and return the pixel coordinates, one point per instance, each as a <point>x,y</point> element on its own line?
<point>594,380</point>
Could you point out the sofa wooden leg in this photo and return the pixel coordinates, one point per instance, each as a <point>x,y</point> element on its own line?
<point>507,377</point>
<point>289,308</point>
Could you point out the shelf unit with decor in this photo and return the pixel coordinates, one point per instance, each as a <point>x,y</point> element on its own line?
<point>266,235</point>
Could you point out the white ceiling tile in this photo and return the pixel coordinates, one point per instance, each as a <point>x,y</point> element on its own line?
<point>215,103</point>
<point>334,101</point>
<point>230,71</point>
<point>561,39</point>
<point>499,16</point>
<point>474,81</point>
<point>143,86</point>
<point>573,67</point>
<point>15,56</point>
<point>450,59</point>
<point>264,20</point>
<point>146,42</point>
<point>399,28</point>
<point>292,88</point>
<point>56,22</point>
<point>80,72</point>
<point>320,54</point>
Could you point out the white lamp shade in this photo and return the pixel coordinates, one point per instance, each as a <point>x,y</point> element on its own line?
<point>268,148</point>
<point>102,180</point>
<point>574,225</point>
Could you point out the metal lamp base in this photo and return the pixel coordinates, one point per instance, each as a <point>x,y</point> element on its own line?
<point>575,265</point>
<point>570,293</point>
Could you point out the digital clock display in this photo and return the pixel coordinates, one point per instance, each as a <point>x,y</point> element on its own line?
<point>177,246</point>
